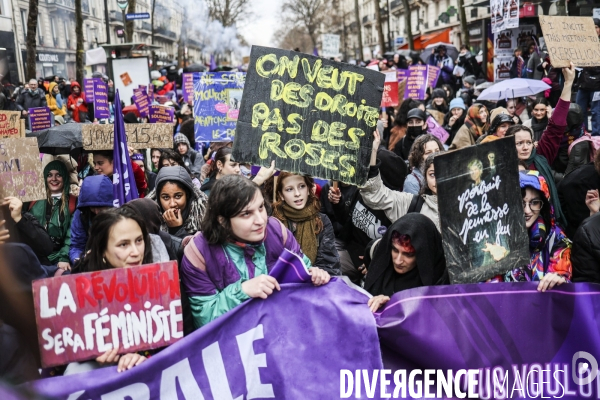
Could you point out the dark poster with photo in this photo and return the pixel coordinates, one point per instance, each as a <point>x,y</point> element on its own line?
<point>309,114</point>
<point>481,211</point>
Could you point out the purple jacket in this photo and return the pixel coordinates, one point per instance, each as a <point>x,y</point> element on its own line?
<point>207,270</point>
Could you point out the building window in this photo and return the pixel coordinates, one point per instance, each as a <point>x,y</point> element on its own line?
<point>54,32</point>
<point>39,31</point>
<point>24,23</point>
<point>67,36</point>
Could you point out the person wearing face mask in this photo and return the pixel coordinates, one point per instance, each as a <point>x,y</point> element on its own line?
<point>298,208</point>
<point>549,247</point>
<point>416,126</point>
<point>55,100</point>
<point>474,127</point>
<point>397,204</point>
<point>408,256</point>
<point>76,104</point>
<point>228,263</point>
<point>454,119</point>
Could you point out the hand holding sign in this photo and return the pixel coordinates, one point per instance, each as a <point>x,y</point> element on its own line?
<point>376,143</point>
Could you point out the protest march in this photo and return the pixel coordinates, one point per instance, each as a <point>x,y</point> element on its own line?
<point>300,221</point>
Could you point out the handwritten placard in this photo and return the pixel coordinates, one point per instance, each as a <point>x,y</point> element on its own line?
<point>10,124</point>
<point>161,114</point>
<point>481,211</point>
<point>139,136</point>
<point>309,114</point>
<point>101,108</point>
<point>40,118</point>
<point>80,317</point>
<point>571,39</point>
<point>21,169</point>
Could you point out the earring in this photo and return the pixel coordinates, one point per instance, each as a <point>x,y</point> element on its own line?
<point>103,260</point>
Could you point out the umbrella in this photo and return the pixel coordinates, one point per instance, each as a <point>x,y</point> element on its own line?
<point>484,85</point>
<point>513,88</point>
<point>451,50</point>
<point>195,68</point>
<point>62,139</point>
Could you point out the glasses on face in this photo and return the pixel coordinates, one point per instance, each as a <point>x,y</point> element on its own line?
<point>527,143</point>
<point>534,205</point>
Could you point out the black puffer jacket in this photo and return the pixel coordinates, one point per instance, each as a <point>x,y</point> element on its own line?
<point>585,255</point>
<point>571,193</point>
<point>328,258</point>
<point>33,99</point>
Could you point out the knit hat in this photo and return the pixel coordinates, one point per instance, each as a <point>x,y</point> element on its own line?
<point>59,166</point>
<point>437,93</point>
<point>457,103</point>
<point>469,79</point>
<point>180,138</point>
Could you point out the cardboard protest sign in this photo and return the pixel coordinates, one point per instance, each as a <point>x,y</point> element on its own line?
<point>310,115</point>
<point>481,211</point>
<point>161,114</point>
<point>40,118</point>
<point>101,109</point>
<point>571,39</point>
<point>416,82</point>
<point>217,99</point>
<point>80,317</point>
<point>142,102</point>
<point>21,169</point>
<point>331,45</point>
<point>187,87</point>
<point>390,90</point>
<point>10,124</point>
<point>402,79</point>
<point>139,136</point>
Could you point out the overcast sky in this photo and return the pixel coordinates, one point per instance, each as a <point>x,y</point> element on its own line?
<point>264,22</point>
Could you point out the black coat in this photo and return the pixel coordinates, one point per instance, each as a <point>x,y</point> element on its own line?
<point>585,255</point>
<point>29,100</point>
<point>30,232</point>
<point>571,193</point>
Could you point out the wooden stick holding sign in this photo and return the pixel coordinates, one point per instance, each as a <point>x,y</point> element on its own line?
<point>571,39</point>
<point>139,136</point>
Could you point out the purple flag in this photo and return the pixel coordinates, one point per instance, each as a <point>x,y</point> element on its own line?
<point>124,188</point>
<point>315,52</point>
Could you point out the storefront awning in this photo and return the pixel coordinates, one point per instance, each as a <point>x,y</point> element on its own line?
<point>422,41</point>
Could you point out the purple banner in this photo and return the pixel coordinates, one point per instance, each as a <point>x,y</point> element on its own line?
<point>88,89</point>
<point>161,114</point>
<point>433,74</point>
<point>40,118</point>
<point>416,83</point>
<point>124,188</point>
<point>187,87</point>
<point>142,102</point>
<point>101,108</point>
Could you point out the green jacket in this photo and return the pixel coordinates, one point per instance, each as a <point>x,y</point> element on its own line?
<point>57,229</point>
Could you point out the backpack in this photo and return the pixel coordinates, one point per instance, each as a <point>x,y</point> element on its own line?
<point>416,204</point>
<point>72,207</point>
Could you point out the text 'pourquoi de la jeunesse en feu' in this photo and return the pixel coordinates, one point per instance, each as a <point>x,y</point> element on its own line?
<point>334,134</point>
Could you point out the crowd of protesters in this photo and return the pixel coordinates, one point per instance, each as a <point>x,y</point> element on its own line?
<point>384,236</point>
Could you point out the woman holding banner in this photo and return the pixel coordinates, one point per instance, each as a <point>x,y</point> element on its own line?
<point>299,209</point>
<point>397,204</point>
<point>409,255</point>
<point>229,261</point>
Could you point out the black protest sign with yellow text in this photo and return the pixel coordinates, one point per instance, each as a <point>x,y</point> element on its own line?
<point>309,114</point>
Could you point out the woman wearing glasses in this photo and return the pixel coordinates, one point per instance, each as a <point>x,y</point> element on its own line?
<point>549,247</point>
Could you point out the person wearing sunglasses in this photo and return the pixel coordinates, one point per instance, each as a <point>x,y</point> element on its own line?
<point>549,247</point>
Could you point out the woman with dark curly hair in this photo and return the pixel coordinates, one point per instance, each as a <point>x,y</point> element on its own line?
<point>423,146</point>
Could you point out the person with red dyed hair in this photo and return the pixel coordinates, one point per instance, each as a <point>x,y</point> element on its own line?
<point>408,256</point>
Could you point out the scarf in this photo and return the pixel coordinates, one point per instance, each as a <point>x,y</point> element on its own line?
<point>539,256</point>
<point>541,164</point>
<point>538,127</point>
<point>308,225</point>
<point>474,123</point>
<point>382,278</point>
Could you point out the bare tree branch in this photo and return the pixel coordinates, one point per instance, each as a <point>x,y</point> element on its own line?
<point>309,14</point>
<point>228,12</point>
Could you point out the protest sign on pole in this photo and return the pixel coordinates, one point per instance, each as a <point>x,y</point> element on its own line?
<point>40,118</point>
<point>390,90</point>
<point>571,39</point>
<point>402,78</point>
<point>433,74</point>
<point>101,108</point>
<point>160,114</point>
<point>141,101</point>
<point>79,317</point>
<point>139,136</point>
<point>10,125</point>
<point>187,87</point>
<point>481,211</point>
<point>21,171</point>
<point>416,82</point>
<point>331,45</point>
<point>217,99</point>
<point>124,184</point>
<point>88,89</point>
<point>309,114</point>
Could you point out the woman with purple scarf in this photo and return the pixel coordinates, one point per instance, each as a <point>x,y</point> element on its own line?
<point>229,261</point>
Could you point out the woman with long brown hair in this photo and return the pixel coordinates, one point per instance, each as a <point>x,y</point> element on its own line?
<point>298,208</point>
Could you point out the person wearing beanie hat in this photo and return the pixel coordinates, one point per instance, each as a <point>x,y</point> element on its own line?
<point>55,212</point>
<point>191,158</point>
<point>589,83</point>
<point>455,118</point>
<point>438,102</point>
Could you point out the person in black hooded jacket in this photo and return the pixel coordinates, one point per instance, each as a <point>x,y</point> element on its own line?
<point>585,255</point>
<point>409,255</point>
<point>416,126</point>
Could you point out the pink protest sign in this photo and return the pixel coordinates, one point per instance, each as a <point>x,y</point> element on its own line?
<point>80,317</point>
